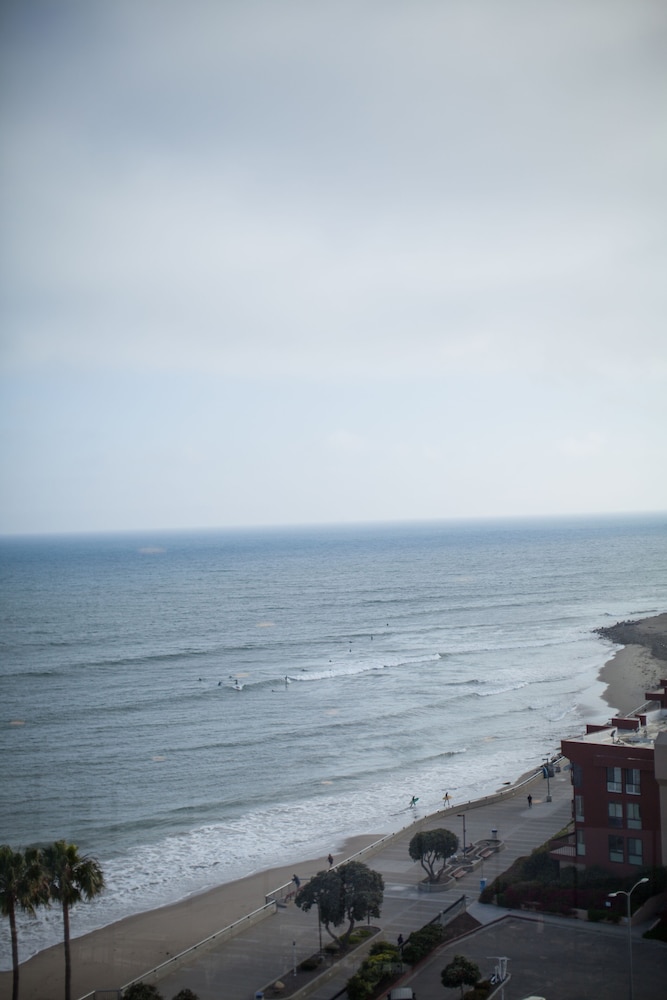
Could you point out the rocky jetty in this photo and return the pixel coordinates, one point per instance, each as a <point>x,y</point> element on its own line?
<point>648,632</point>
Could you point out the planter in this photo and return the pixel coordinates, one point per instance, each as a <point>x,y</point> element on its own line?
<point>306,981</point>
<point>440,886</point>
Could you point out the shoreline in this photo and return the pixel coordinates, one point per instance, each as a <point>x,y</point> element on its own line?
<point>638,665</point>
<point>122,951</point>
<point>128,948</point>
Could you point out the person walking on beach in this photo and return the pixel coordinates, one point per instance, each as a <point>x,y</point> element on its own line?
<point>530,801</point>
<point>330,860</point>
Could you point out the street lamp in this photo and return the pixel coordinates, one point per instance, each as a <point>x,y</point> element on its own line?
<point>546,768</point>
<point>463,817</point>
<point>622,892</point>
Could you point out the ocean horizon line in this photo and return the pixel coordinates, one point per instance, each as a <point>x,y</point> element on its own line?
<point>491,520</point>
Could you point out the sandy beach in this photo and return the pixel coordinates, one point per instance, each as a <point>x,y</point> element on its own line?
<point>636,667</point>
<point>123,951</point>
<point>127,949</point>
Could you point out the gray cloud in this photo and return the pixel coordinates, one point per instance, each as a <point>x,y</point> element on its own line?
<point>348,194</point>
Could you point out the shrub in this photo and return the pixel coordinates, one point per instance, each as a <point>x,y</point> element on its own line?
<point>359,935</point>
<point>422,942</point>
<point>479,992</point>
<point>360,988</point>
<point>378,968</point>
<point>366,982</point>
<point>185,994</point>
<point>308,964</point>
<point>383,947</point>
<point>539,867</point>
<point>142,991</point>
<point>487,894</point>
<point>595,916</point>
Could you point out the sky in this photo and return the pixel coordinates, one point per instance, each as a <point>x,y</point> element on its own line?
<point>269,263</point>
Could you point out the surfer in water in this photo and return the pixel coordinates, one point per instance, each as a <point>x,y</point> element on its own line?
<point>414,800</point>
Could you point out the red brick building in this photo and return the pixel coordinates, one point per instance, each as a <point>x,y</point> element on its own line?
<point>619,779</point>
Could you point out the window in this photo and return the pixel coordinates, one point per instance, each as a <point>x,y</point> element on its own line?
<point>616,848</point>
<point>632,781</point>
<point>581,842</point>
<point>579,808</point>
<point>614,782</point>
<point>635,851</point>
<point>634,821</point>
<point>615,813</point>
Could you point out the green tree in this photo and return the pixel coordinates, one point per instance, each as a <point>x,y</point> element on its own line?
<point>185,994</point>
<point>432,846</point>
<point>142,991</point>
<point>71,877</point>
<point>460,972</point>
<point>350,892</point>
<point>23,887</point>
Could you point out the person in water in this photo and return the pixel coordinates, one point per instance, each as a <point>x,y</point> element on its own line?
<point>414,800</point>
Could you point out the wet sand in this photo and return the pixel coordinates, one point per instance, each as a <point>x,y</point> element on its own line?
<point>639,665</point>
<point>127,949</point>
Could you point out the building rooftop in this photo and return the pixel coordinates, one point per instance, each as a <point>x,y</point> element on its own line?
<point>639,728</point>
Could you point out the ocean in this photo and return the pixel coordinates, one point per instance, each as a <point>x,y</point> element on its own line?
<point>192,707</point>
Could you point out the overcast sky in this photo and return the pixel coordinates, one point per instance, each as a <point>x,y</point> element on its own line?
<point>273,262</point>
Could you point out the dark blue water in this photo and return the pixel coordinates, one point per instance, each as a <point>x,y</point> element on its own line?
<point>374,662</point>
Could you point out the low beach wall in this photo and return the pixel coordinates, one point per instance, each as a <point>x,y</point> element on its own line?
<point>428,821</point>
<point>173,963</point>
<point>276,896</point>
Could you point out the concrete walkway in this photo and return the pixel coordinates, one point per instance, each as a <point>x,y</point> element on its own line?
<point>236,969</point>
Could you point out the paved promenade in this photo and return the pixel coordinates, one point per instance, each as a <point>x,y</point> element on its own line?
<point>236,969</point>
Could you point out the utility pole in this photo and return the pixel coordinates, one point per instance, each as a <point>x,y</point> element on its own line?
<point>463,817</point>
<point>547,765</point>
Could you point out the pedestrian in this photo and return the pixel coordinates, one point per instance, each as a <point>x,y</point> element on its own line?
<point>530,801</point>
<point>400,941</point>
<point>446,799</point>
<point>330,860</point>
<point>296,880</point>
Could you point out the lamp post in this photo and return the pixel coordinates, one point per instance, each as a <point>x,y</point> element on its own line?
<point>546,768</point>
<point>622,892</point>
<point>463,817</point>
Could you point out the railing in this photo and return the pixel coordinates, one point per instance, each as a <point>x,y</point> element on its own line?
<point>458,905</point>
<point>223,934</point>
<point>284,892</point>
<point>377,845</point>
<point>564,846</point>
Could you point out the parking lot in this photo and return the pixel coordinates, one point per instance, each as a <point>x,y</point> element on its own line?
<point>557,959</point>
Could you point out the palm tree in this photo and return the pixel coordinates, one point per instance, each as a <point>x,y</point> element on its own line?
<point>22,886</point>
<point>72,877</point>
